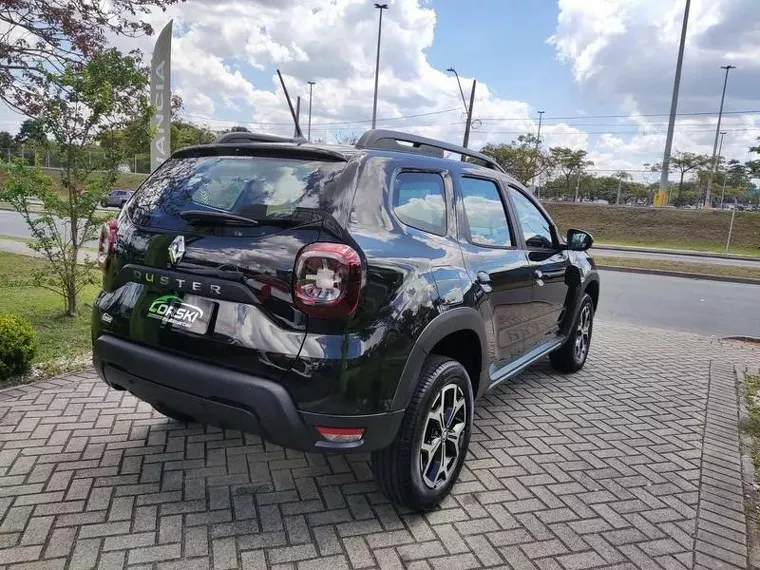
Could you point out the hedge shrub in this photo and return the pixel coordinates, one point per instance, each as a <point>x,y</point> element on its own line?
<point>18,344</point>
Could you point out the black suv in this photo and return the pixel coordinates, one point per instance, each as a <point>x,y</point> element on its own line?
<point>338,298</point>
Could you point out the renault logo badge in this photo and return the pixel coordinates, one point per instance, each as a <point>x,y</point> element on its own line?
<point>177,250</point>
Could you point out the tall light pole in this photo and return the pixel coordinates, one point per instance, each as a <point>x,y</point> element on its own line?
<point>461,91</point>
<point>380,7</point>
<point>708,193</point>
<point>660,196</point>
<point>538,143</point>
<point>311,97</point>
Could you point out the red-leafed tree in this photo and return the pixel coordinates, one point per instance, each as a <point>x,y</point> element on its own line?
<point>38,37</point>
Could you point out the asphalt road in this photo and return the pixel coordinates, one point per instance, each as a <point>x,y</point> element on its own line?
<point>13,225</point>
<point>693,305</point>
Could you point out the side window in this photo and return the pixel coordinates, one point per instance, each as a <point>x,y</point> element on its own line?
<point>485,213</point>
<point>535,226</point>
<point>419,200</point>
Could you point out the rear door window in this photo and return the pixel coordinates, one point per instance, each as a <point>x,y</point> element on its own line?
<point>419,201</point>
<point>254,187</point>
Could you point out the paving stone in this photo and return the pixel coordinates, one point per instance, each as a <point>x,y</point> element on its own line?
<point>631,463</point>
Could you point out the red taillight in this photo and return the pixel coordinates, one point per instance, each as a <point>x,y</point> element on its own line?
<point>328,280</point>
<point>341,435</point>
<point>106,243</point>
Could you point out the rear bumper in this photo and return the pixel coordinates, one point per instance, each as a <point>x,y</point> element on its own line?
<point>230,399</point>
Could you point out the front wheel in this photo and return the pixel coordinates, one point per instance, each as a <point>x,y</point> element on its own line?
<point>421,466</point>
<point>571,356</point>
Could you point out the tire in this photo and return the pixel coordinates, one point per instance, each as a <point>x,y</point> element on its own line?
<point>398,469</point>
<point>572,355</point>
<point>173,414</point>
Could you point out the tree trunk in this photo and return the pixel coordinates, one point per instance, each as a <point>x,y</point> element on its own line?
<point>680,187</point>
<point>71,300</point>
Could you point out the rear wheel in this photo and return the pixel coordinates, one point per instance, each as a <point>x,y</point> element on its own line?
<point>172,414</point>
<point>421,466</point>
<point>571,356</point>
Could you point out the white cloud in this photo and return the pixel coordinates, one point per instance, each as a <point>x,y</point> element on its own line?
<point>225,53</point>
<point>625,50</point>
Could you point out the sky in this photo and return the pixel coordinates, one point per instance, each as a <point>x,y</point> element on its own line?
<point>601,70</point>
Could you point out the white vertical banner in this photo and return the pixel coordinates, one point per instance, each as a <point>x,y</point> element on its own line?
<point>161,96</point>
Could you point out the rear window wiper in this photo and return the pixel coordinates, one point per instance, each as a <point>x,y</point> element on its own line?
<point>216,218</point>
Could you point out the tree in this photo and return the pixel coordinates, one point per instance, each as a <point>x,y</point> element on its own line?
<point>621,176</point>
<point>48,36</point>
<point>6,142</point>
<point>31,131</point>
<point>189,134</point>
<point>77,107</point>
<point>685,162</point>
<point>753,166</point>
<point>569,162</point>
<point>523,158</point>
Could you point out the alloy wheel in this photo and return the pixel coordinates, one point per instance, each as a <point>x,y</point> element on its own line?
<point>583,334</point>
<point>442,438</point>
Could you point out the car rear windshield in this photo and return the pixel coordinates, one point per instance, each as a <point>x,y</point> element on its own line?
<point>260,188</point>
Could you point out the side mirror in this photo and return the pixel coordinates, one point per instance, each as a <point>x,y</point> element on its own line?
<point>578,240</point>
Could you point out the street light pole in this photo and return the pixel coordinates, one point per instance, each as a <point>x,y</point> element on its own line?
<point>725,174</point>
<point>461,91</point>
<point>660,197</point>
<point>311,96</point>
<point>380,7</point>
<point>538,144</point>
<point>708,193</point>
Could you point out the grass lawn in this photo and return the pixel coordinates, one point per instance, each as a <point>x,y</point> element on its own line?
<point>59,335</point>
<point>697,230</point>
<point>667,265</point>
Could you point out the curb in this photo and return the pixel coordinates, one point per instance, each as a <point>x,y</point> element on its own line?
<point>688,253</point>
<point>748,472</point>
<point>683,274</point>
<point>743,338</point>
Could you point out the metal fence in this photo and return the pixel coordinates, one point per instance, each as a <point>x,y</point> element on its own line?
<point>51,158</point>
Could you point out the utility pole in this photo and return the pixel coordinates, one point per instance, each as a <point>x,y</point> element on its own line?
<point>298,114</point>
<point>577,186</point>
<point>380,7</point>
<point>538,144</point>
<point>661,196</point>
<point>311,96</point>
<point>725,174</point>
<point>708,193</point>
<point>620,183</point>
<point>469,116</point>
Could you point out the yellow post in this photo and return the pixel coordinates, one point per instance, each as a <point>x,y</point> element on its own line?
<point>660,198</point>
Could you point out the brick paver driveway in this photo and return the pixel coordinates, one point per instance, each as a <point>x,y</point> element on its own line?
<point>633,463</point>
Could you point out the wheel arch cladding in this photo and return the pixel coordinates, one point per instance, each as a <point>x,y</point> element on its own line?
<point>592,288</point>
<point>459,334</point>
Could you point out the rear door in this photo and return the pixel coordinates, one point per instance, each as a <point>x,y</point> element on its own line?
<point>214,290</point>
<point>548,261</point>
<point>497,264</point>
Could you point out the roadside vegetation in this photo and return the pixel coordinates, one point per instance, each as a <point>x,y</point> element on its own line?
<point>63,341</point>
<point>680,266</point>
<point>695,230</point>
<point>752,423</point>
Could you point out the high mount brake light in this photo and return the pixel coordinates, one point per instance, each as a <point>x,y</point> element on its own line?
<point>106,243</point>
<point>327,280</point>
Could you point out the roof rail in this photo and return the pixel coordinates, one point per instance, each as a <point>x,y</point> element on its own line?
<point>390,140</point>
<point>246,137</point>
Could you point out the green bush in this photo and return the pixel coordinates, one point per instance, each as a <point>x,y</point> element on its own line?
<point>18,344</point>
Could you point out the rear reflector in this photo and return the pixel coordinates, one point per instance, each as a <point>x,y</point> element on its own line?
<point>341,435</point>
